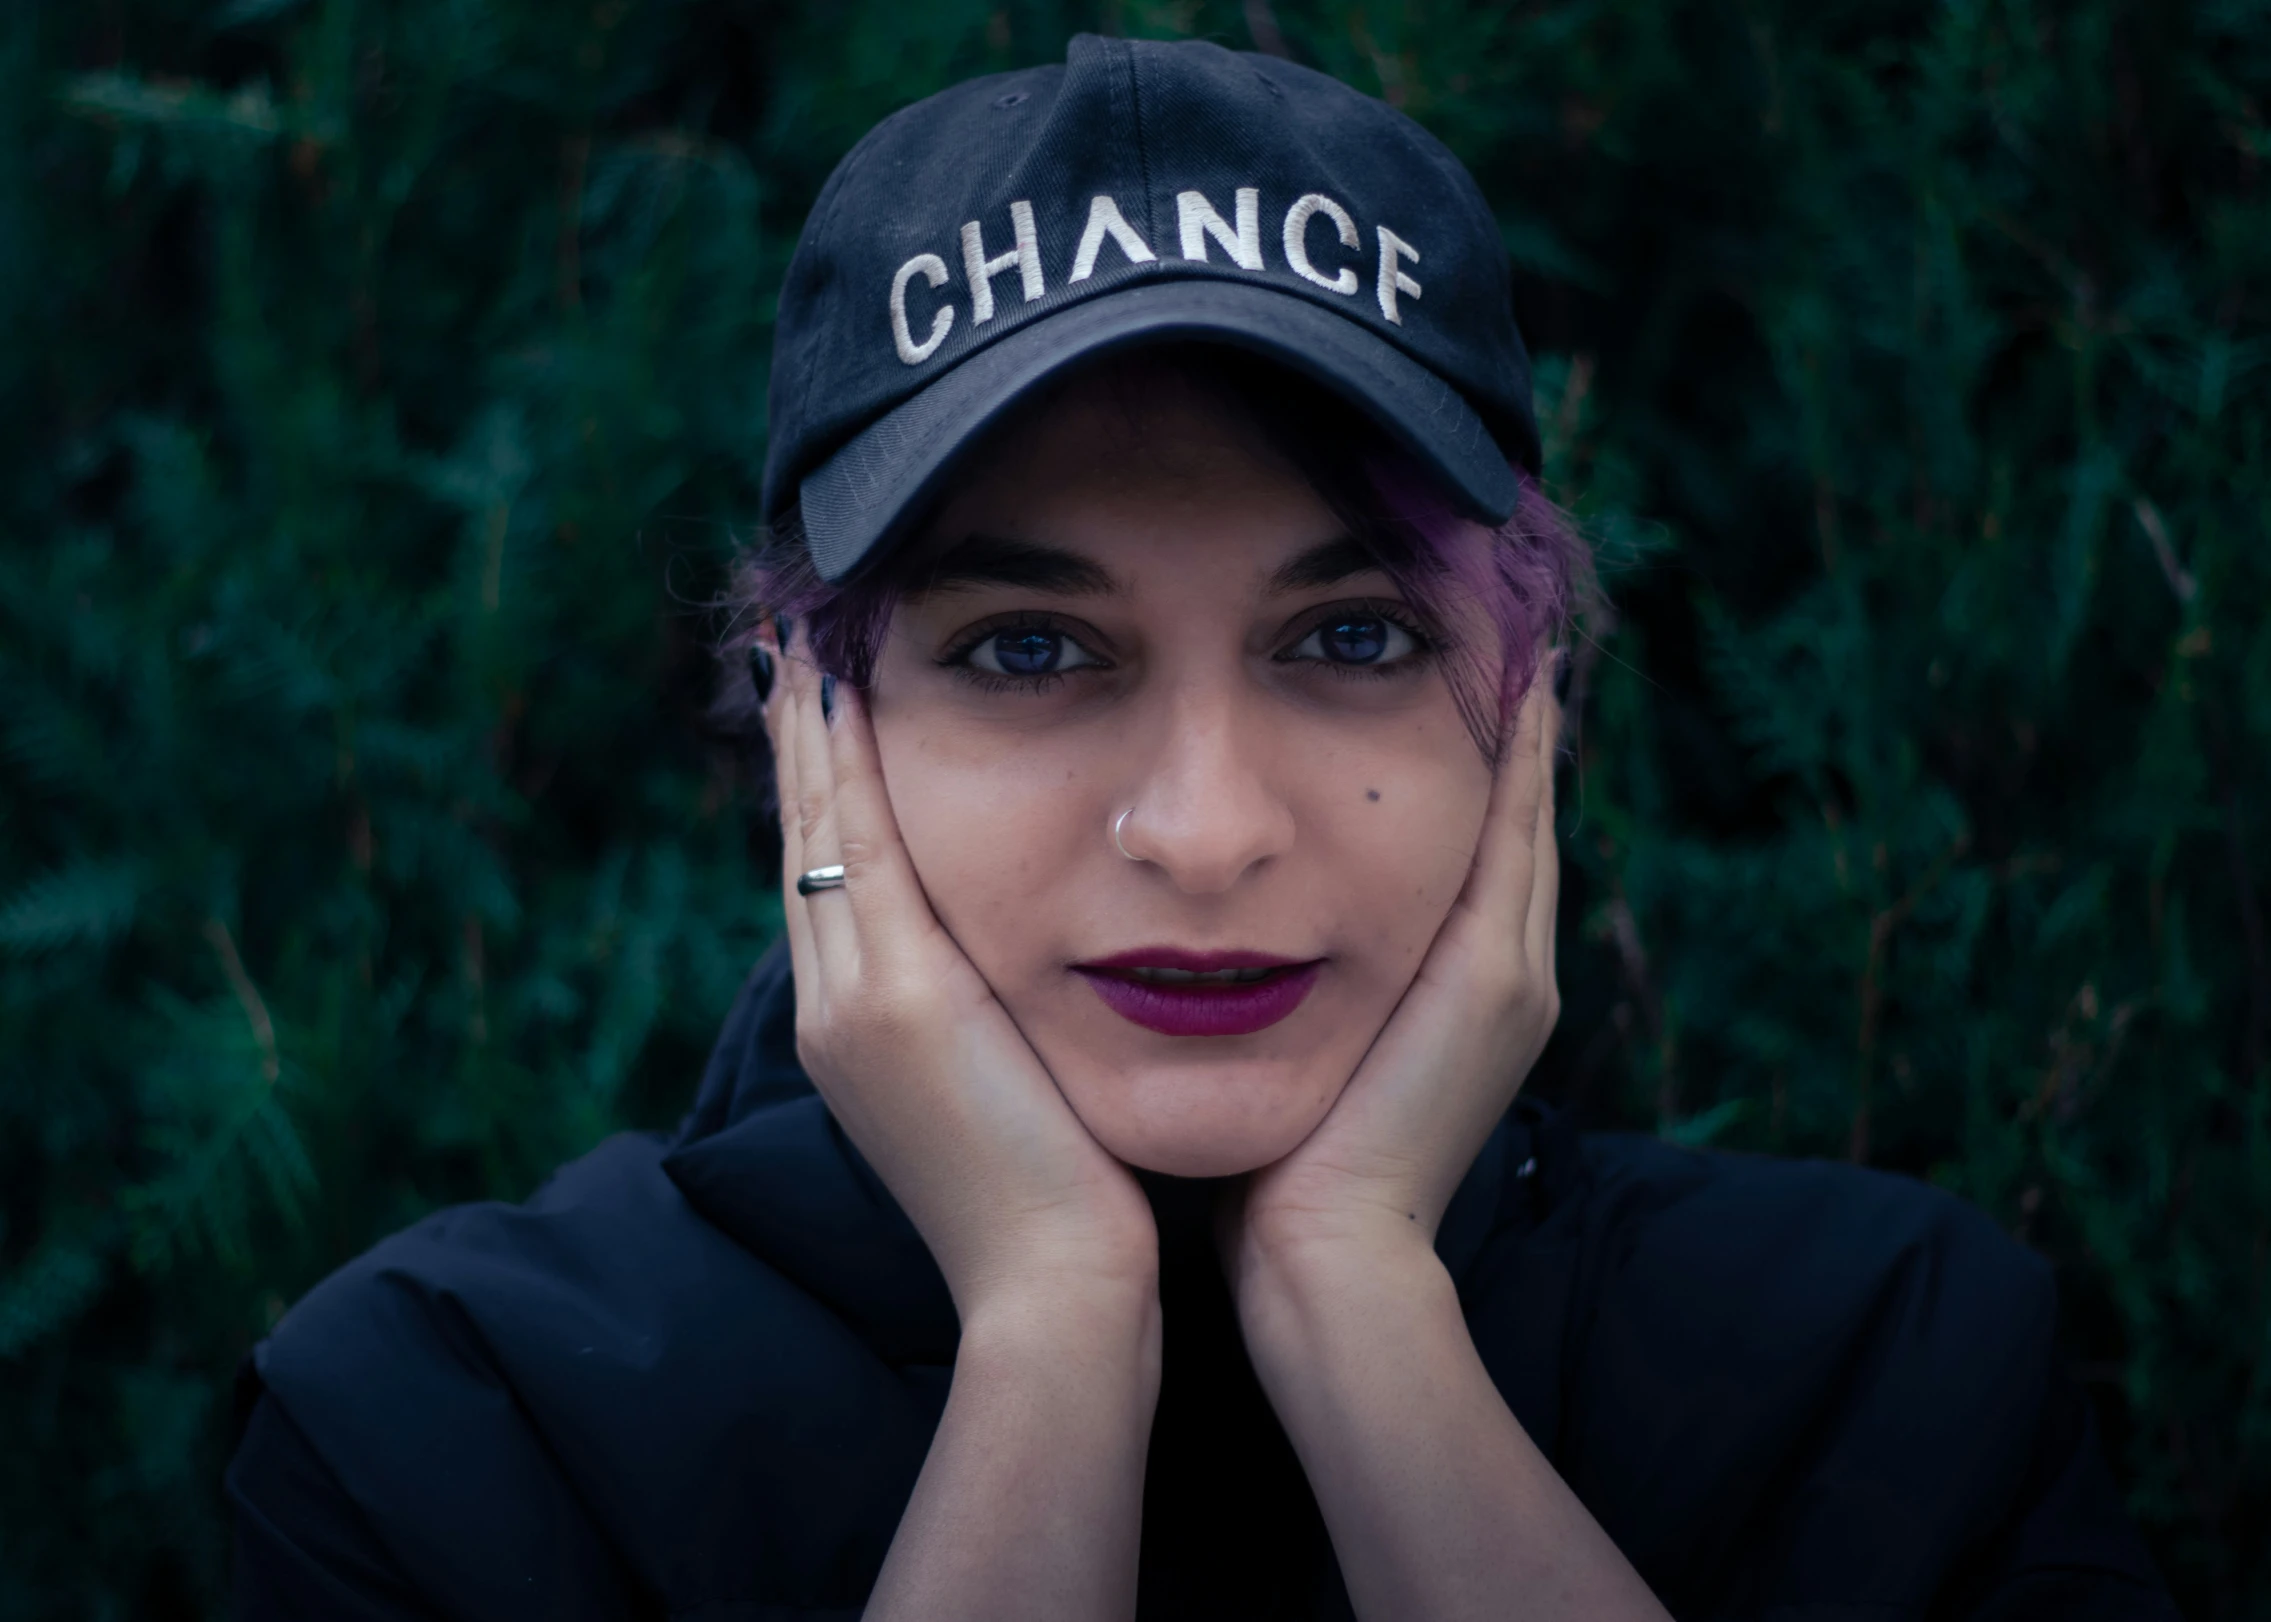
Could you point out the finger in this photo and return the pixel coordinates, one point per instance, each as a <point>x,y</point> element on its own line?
<point>1545,859</point>
<point>888,906</point>
<point>835,946</point>
<point>1498,886</point>
<point>803,956</point>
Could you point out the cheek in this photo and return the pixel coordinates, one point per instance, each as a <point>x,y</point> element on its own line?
<point>997,829</point>
<point>1397,829</point>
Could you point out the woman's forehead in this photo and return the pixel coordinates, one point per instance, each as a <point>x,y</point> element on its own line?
<point>1143,429</point>
<point>1112,475</point>
<point>1104,566</point>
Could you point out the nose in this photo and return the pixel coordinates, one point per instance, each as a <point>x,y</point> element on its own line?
<point>1205,813</point>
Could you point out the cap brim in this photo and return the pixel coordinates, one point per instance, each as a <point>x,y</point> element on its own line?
<point>855,503</point>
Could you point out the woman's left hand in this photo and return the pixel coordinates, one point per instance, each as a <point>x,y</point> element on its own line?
<point>1376,1174</point>
<point>1440,1507</point>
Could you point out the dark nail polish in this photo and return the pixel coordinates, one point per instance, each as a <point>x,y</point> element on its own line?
<point>828,699</point>
<point>761,672</point>
<point>783,629</point>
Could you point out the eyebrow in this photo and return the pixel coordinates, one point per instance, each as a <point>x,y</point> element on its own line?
<point>1326,564</point>
<point>991,560</point>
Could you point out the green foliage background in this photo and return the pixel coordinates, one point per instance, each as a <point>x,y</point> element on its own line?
<point>382,390</point>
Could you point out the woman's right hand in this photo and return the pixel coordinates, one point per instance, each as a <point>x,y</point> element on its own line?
<point>1029,1505</point>
<point>912,1051</point>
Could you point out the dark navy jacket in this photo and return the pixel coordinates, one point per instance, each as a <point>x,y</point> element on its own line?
<point>696,1377</point>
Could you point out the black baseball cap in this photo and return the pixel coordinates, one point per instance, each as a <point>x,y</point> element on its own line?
<point>980,241</point>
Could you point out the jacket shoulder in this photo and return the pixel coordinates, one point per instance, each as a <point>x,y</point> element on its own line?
<point>541,1409</point>
<point>1751,1241</point>
<point>1784,1381</point>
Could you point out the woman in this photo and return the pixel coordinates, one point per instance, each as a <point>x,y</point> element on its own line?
<point>1113,1203</point>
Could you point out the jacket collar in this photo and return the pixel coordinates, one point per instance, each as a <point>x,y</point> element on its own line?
<point>762,1159</point>
<point>760,1156</point>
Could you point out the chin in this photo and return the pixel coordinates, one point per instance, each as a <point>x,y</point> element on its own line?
<point>1201,1121</point>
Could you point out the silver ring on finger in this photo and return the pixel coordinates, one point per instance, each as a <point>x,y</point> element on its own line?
<point>818,879</point>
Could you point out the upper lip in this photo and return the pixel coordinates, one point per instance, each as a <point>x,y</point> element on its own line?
<point>1176,957</point>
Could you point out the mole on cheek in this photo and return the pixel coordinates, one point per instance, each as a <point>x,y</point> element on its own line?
<point>1372,794</point>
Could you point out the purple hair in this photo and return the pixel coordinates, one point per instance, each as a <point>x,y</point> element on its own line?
<point>1494,599</point>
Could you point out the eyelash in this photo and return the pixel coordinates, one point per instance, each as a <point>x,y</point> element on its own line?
<point>957,657</point>
<point>1424,645</point>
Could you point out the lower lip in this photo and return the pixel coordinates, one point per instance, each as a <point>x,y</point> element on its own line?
<point>1204,1009</point>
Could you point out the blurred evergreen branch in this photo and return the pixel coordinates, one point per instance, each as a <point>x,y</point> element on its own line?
<point>382,390</point>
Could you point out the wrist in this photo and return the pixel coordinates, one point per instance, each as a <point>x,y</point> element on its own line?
<point>1037,1324</point>
<point>1299,1294</point>
<point>1101,1258</point>
<point>1328,1248</point>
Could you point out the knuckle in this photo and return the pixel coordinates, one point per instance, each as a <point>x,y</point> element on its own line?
<point>815,1045</point>
<point>924,1009</point>
<point>903,1013</point>
<point>890,1012</point>
<point>887,1027</point>
<point>1502,973</point>
<point>811,808</point>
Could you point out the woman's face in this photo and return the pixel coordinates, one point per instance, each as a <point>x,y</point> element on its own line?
<point>1137,609</point>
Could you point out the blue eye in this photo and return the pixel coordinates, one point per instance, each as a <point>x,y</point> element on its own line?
<point>1356,639</point>
<point>1354,642</point>
<point>1029,651</point>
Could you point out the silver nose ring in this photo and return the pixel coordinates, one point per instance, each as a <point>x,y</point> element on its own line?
<point>1118,823</point>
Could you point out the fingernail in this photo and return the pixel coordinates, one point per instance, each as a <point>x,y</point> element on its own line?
<point>761,672</point>
<point>783,629</point>
<point>828,699</point>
